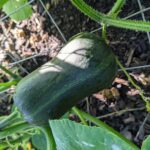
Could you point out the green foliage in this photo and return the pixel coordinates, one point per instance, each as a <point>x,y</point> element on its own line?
<point>21,14</point>
<point>73,136</point>
<point>2,2</point>
<point>146,144</point>
<point>39,141</point>
<point>9,72</point>
<point>15,142</point>
<point>7,85</point>
<point>10,6</point>
<point>14,128</point>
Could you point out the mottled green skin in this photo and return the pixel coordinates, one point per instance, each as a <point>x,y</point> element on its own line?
<point>84,66</point>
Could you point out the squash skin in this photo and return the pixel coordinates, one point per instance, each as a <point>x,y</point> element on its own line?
<point>85,65</point>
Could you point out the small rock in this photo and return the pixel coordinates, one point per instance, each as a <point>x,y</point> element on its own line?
<point>130,119</point>
<point>127,134</point>
<point>2,55</point>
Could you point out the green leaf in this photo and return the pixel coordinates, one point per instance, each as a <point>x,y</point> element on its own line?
<point>69,135</point>
<point>39,141</point>
<point>66,115</point>
<point>2,2</point>
<point>20,15</point>
<point>146,144</point>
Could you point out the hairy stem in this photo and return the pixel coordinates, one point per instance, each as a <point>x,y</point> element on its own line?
<point>131,81</point>
<point>102,18</point>
<point>116,8</point>
<point>104,31</point>
<point>113,13</point>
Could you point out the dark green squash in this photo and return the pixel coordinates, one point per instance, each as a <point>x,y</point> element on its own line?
<point>85,65</point>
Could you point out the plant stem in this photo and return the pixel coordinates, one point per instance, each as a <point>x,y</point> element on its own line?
<point>9,72</point>
<point>10,83</point>
<point>4,88</point>
<point>104,35</point>
<point>7,85</point>
<point>116,8</point>
<point>112,13</point>
<point>102,18</point>
<point>132,82</point>
<point>75,110</point>
<point>121,112</point>
<point>106,127</point>
<point>15,129</point>
<point>9,120</point>
<point>49,137</point>
<point>17,141</point>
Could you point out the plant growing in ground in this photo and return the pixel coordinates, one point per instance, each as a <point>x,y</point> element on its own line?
<point>39,110</point>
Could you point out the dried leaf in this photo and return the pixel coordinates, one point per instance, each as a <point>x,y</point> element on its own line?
<point>121,81</point>
<point>115,92</point>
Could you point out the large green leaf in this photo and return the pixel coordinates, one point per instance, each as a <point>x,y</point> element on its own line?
<point>69,135</point>
<point>146,144</point>
<point>22,14</point>
<point>39,141</point>
<point>2,2</point>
